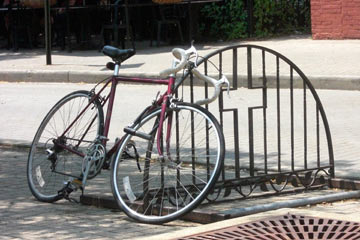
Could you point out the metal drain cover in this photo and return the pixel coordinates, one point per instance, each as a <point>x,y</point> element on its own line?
<point>287,227</point>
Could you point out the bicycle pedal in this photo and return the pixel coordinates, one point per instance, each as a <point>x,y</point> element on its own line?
<point>65,191</point>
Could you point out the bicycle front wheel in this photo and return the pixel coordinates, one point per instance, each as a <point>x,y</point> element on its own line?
<point>65,135</point>
<point>158,189</point>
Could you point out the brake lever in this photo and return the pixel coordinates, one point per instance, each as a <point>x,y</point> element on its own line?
<point>192,50</point>
<point>225,81</point>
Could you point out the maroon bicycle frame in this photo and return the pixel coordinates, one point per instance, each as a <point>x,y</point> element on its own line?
<point>114,80</point>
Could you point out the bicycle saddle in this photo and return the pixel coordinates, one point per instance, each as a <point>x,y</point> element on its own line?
<point>118,55</point>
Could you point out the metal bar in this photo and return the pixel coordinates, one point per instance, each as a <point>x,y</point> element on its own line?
<point>292,203</point>
<point>305,127</point>
<point>270,176</point>
<point>191,88</point>
<point>193,158</point>
<point>220,64</point>
<point>192,128</point>
<point>249,68</point>
<point>12,26</point>
<point>68,37</point>
<point>206,88</point>
<point>278,112</point>
<point>317,135</point>
<point>142,80</point>
<point>221,105</point>
<point>207,150</point>
<point>235,70</point>
<point>251,142</point>
<point>208,172</point>
<point>115,23</point>
<point>127,19</point>
<point>292,117</point>
<point>236,143</point>
<point>264,109</point>
<point>190,21</point>
<point>47,32</point>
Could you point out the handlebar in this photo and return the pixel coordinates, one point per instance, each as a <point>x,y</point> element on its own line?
<point>217,84</point>
<point>181,55</point>
<point>181,61</point>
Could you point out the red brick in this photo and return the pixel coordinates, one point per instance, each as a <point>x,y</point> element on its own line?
<point>335,19</point>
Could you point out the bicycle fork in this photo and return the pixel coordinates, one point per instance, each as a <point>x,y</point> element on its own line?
<point>164,105</point>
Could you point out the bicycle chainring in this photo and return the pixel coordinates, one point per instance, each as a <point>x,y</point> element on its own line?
<point>96,155</point>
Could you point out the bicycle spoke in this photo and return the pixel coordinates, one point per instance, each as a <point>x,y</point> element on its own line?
<point>50,166</point>
<point>172,184</point>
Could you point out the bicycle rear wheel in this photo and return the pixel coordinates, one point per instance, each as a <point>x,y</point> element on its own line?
<point>154,189</point>
<point>50,164</point>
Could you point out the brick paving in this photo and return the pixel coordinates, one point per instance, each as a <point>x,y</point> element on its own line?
<point>22,217</point>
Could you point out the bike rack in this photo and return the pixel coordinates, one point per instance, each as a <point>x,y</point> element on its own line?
<point>275,126</point>
<point>276,132</point>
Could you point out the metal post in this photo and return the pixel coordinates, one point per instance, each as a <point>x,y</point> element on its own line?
<point>127,19</point>
<point>68,37</point>
<point>115,23</point>
<point>47,32</point>
<point>12,38</point>
<point>190,21</point>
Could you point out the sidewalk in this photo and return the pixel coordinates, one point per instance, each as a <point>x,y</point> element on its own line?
<point>24,105</point>
<point>28,89</point>
<point>22,217</point>
<point>334,61</point>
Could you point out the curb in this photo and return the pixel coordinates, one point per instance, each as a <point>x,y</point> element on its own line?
<point>58,76</point>
<point>11,143</point>
<point>206,216</point>
<point>319,82</point>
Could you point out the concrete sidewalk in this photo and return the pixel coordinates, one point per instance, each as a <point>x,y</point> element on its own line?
<point>22,217</point>
<point>24,105</point>
<point>334,61</point>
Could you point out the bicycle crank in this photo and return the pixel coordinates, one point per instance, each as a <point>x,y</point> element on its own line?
<point>93,162</point>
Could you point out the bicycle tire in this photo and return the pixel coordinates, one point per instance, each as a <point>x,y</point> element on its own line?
<point>50,167</point>
<point>156,190</point>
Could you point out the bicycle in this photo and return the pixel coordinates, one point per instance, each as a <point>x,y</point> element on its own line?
<point>160,169</point>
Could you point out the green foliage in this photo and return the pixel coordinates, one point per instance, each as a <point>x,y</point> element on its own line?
<point>279,16</point>
<point>229,19</point>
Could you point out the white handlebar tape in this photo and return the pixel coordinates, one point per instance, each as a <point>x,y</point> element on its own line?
<point>183,56</point>
<point>216,83</point>
<point>179,54</point>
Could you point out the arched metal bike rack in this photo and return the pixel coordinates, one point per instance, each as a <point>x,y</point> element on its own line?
<point>275,141</point>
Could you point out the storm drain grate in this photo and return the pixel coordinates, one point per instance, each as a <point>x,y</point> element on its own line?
<point>286,227</point>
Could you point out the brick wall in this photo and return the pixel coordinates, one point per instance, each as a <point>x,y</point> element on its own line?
<point>335,19</point>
